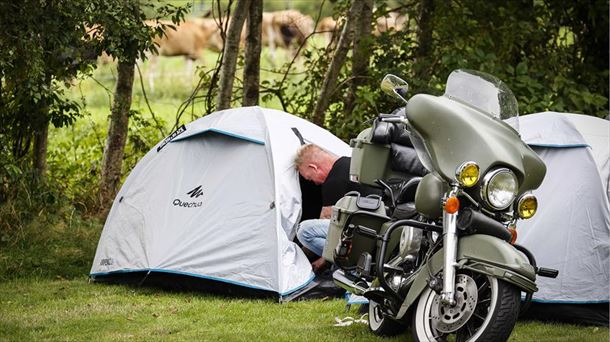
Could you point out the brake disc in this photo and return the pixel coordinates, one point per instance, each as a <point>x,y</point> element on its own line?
<point>446,318</point>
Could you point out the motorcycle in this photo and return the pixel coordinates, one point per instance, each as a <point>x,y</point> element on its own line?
<point>437,252</point>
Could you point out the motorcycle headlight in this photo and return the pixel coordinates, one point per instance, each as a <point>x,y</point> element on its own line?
<point>467,174</point>
<point>499,188</point>
<point>528,204</point>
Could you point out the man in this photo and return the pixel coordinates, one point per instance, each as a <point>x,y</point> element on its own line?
<point>332,174</point>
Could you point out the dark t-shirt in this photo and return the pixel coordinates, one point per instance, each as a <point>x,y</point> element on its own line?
<point>337,183</point>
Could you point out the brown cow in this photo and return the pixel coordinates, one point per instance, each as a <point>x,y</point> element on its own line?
<point>286,29</point>
<point>391,21</point>
<point>326,24</point>
<point>283,29</point>
<point>186,39</point>
<point>210,27</point>
<point>290,27</point>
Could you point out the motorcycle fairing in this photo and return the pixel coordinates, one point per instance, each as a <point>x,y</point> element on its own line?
<point>453,132</point>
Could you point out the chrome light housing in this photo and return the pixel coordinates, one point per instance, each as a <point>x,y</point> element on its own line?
<point>467,174</point>
<point>499,188</point>
<point>527,206</point>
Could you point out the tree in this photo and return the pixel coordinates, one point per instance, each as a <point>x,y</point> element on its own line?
<point>360,54</point>
<point>229,58</point>
<point>122,31</point>
<point>424,38</point>
<point>253,53</point>
<point>41,47</point>
<point>330,78</point>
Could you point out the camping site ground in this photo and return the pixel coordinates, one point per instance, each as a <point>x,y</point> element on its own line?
<point>45,293</point>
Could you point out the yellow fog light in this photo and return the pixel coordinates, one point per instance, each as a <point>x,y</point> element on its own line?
<point>467,174</point>
<point>528,204</point>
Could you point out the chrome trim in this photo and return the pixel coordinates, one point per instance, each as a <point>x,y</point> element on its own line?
<point>342,281</point>
<point>450,244</point>
<point>485,184</point>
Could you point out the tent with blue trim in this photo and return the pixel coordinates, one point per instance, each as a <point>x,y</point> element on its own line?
<point>571,230</point>
<point>215,206</point>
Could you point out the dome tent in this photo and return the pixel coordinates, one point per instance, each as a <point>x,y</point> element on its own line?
<point>215,206</point>
<point>571,231</point>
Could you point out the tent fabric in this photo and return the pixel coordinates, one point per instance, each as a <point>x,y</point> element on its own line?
<point>219,200</point>
<point>596,133</point>
<point>571,230</point>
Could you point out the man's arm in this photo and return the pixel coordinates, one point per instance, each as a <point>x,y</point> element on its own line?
<point>326,212</point>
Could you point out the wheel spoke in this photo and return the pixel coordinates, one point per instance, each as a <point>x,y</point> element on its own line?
<point>441,337</point>
<point>482,318</point>
<point>483,301</point>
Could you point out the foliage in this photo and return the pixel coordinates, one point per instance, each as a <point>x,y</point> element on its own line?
<point>40,49</point>
<point>126,29</point>
<point>541,49</point>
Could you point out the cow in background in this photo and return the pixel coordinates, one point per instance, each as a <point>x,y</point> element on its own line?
<point>391,21</point>
<point>212,31</point>
<point>327,26</point>
<point>287,29</point>
<point>186,39</point>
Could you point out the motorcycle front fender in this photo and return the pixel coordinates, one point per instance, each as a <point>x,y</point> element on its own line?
<point>480,253</point>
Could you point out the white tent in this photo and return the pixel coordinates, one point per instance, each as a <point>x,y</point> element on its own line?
<point>218,200</point>
<point>571,231</point>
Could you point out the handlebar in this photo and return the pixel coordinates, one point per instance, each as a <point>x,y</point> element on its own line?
<point>393,118</point>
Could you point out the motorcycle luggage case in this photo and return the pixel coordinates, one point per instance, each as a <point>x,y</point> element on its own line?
<point>371,161</point>
<point>367,215</point>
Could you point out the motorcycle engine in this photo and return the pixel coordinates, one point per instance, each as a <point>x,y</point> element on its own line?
<point>410,242</point>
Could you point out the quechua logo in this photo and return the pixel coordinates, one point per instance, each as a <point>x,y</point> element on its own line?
<point>189,203</point>
<point>198,191</point>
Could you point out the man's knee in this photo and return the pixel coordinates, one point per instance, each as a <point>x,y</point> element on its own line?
<point>304,233</point>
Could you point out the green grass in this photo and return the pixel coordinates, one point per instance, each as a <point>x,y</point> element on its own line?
<point>74,310</point>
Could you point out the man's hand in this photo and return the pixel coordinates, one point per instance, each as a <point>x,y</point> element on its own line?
<point>326,212</point>
<point>319,265</point>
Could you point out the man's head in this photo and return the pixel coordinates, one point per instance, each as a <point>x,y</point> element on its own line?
<point>314,163</point>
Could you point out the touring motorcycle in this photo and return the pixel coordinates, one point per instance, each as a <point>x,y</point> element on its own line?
<point>436,252</point>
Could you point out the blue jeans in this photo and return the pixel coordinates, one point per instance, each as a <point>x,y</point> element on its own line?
<point>312,234</point>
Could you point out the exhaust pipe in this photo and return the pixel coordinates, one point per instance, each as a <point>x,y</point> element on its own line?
<point>344,282</point>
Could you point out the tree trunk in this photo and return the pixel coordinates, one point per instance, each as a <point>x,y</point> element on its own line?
<point>424,39</point>
<point>117,134</point>
<point>253,54</point>
<point>229,58</point>
<point>361,53</point>
<point>330,79</point>
<point>39,153</point>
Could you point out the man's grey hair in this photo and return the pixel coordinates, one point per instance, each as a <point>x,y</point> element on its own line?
<point>309,152</point>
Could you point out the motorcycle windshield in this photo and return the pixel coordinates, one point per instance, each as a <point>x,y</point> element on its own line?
<point>475,120</point>
<point>485,93</point>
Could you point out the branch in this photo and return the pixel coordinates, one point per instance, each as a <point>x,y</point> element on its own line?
<point>152,114</point>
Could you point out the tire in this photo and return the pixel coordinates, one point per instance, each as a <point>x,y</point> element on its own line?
<point>381,325</point>
<point>487,310</point>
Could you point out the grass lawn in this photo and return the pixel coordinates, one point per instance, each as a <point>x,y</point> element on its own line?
<point>75,310</point>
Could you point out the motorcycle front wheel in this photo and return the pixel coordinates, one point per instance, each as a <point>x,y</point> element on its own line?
<point>381,325</point>
<point>486,310</point>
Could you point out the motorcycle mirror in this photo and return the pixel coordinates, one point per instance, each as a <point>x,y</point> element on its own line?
<point>395,86</point>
